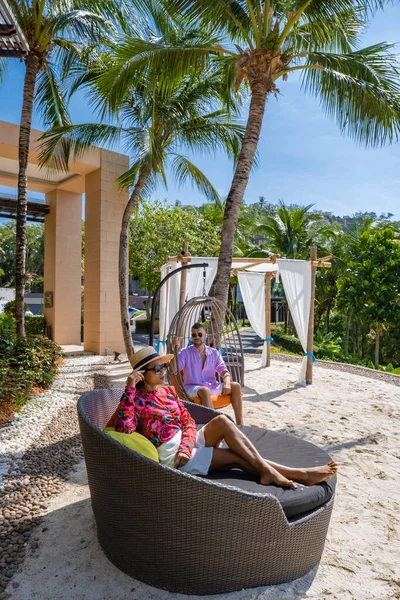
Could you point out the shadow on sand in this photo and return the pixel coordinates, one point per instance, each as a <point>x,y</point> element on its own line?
<point>250,395</point>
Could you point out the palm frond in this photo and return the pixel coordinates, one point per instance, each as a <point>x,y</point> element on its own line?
<point>185,170</point>
<point>360,90</point>
<point>50,99</point>
<point>340,33</point>
<point>76,24</point>
<point>203,135</point>
<point>60,144</point>
<point>230,17</point>
<point>134,58</point>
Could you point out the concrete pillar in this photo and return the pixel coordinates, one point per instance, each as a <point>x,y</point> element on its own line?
<point>104,207</point>
<point>62,266</point>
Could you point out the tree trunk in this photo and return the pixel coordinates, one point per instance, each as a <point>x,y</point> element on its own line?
<point>238,187</point>
<point>124,259</point>
<point>148,305</point>
<point>32,67</point>
<point>347,332</point>
<point>377,340</point>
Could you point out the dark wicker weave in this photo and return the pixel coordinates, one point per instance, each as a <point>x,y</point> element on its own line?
<point>183,533</point>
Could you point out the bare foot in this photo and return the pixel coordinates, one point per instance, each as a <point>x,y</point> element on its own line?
<point>272,477</point>
<point>315,475</point>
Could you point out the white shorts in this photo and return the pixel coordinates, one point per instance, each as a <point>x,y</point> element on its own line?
<point>215,390</point>
<point>200,460</point>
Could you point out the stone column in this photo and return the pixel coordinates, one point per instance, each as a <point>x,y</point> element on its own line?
<point>104,207</point>
<point>62,266</point>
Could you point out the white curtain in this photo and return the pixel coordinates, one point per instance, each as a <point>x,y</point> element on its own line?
<point>252,288</point>
<point>169,304</point>
<point>296,280</point>
<point>194,282</point>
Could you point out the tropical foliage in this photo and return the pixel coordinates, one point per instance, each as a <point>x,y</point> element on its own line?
<point>158,131</point>
<point>25,365</point>
<point>34,254</point>
<point>157,231</point>
<point>256,45</point>
<point>57,33</point>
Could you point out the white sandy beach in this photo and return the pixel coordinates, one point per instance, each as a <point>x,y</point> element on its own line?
<point>355,418</point>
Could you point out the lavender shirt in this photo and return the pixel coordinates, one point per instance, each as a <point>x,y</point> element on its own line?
<point>194,373</point>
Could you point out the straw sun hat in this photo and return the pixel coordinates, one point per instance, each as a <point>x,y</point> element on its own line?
<point>146,355</point>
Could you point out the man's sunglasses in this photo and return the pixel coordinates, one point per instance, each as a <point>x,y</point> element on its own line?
<point>197,335</point>
<point>157,368</point>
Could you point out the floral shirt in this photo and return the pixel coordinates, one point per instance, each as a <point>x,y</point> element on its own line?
<point>158,415</point>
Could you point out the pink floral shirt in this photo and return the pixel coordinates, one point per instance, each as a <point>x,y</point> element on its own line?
<point>158,415</point>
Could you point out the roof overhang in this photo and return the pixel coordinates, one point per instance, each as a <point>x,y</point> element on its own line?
<point>12,41</point>
<point>42,179</point>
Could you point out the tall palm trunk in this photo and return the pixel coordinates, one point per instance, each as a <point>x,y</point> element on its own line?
<point>32,68</point>
<point>239,183</point>
<point>124,258</point>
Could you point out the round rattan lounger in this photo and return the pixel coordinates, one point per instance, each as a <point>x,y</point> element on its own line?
<point>198,535</point>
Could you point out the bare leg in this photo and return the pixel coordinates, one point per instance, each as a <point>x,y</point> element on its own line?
<point>237,404</point>
<point>306,476</point>
<point>224,459</point>
<point>222,427</point>
<point>205,397</point>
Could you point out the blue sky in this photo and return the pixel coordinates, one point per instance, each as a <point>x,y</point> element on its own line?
<point>303,157</point>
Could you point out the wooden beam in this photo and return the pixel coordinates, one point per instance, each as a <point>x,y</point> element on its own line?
<point>185,259</point>
<point>268,315</point>
<point>310,332</point>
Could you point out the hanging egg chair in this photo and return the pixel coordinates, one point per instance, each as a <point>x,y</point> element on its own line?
<point>222,333</point>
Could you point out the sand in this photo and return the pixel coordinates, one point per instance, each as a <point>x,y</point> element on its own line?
<point>355,418</point>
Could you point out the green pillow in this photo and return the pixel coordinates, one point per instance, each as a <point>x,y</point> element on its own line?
<point>135,441</point>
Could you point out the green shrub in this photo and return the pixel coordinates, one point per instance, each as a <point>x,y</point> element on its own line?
<point>7,325</point>
<point>37,285</point>
<point>34,325</point>
<point>288,342</point>
<point>25,364</point>
<point>9,308</point>
<point>143,325</point>
<point>328,347</point>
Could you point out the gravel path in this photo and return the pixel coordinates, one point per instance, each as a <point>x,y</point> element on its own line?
<point>39,447</point>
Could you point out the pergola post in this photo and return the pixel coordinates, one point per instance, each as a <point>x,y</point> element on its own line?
<point>268,277</point>
<point>310,333</point>
<point>184,259</point>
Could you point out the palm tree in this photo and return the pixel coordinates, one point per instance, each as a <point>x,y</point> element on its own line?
<point>292,231</point>
<point>257,43</point>
<point>155,129</point>
<point>55,30</point>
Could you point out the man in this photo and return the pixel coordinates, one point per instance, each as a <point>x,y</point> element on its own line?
<point>199,364</point>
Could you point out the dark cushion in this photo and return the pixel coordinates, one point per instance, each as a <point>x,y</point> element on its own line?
<point>290,451</point>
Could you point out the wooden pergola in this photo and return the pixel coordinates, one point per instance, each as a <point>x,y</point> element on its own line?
<point>12,41</point>
<point>239,264</point>
<point>36,211</point>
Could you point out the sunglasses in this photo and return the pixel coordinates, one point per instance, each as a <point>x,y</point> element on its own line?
<point>157,368</point>
<point>197,335</point>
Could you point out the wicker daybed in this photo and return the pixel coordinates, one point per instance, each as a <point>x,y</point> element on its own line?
<point>195,535</point>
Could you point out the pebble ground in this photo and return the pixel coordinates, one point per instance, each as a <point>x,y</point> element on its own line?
<point>39,447</point>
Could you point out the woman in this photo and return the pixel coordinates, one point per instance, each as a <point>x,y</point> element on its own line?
<point>155,411</point>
